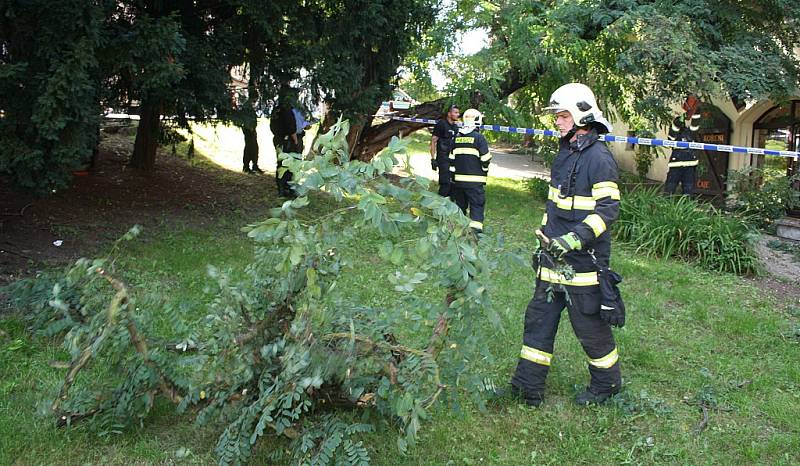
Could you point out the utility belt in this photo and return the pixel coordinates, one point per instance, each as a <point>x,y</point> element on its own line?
<point>603,277</point>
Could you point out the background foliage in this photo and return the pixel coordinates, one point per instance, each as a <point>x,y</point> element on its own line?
<point>682,227</point>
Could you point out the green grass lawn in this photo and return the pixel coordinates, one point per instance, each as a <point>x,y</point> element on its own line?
<point>691,336</point>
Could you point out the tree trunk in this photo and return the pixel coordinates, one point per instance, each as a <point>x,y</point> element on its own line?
<point>144,149</point>
<point>373,139</point>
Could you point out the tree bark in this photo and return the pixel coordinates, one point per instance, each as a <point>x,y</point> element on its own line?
<point>373,139</point>
<point>144,149</point>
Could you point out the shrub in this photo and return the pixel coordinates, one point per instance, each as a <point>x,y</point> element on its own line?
<point>682,227</point>
<point>763,203</point>
<point>538,187</point>
<point>546,148</point>
<point>284,350</point>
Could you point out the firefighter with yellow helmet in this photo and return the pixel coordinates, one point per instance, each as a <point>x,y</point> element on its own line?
<point>469,165</point>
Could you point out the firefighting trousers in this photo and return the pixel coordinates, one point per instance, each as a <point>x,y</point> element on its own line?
<point>471,200</point>
<point>541,324</point>
<point>445,177</point>
<point>683,175</point>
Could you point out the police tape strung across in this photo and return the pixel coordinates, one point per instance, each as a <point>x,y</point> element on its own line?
<point>629,140</point>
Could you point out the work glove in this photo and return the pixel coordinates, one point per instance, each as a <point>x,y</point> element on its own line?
<point>612,308</point>
<point>563,244</point>
<point>434,166</point>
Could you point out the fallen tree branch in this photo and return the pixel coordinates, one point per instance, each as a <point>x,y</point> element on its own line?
<point>112,312</point>
<point>20,214</point>
<point>701,426</point>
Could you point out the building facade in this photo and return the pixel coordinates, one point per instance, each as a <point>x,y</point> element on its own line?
<point>765,124</point>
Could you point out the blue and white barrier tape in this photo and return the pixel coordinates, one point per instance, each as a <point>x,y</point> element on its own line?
<point>629,140</point>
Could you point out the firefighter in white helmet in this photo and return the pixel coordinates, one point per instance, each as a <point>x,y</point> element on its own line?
<point>583,202</point>
<point>469,165</point>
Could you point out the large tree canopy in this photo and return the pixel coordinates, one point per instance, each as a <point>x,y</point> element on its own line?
<point>62,64</point>
<point>174,57</point>
<point>639,56</point>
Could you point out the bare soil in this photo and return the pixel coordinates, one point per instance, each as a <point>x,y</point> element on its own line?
<point>100,206</point>
<point>783,279</point>
<point>38,232</point>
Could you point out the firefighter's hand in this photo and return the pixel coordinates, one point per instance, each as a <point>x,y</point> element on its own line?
<point>612,315</point>
<point>563,244</point>
<point>434,166</point>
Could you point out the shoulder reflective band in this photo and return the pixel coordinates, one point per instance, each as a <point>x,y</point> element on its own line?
<point>605,189</point>
<point>628,140</point>
<point>466,151</point>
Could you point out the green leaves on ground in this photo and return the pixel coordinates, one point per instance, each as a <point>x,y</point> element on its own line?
<point>281,347</point>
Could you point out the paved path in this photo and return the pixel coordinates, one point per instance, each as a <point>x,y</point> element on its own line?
<point>505,164</point>
<point>223,145</point>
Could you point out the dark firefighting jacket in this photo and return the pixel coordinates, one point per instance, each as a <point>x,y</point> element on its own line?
<point>680,132</point>
<point>469,159</point>
<point>583,198</point>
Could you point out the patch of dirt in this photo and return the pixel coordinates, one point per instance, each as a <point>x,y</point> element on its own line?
<point>37,232</point>
<point>784,272</point>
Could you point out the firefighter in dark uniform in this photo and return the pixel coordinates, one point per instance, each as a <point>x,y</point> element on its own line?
<point>441,145</point>
<point>583,202</point>
<point>469,165</point>
<point>683,162</point>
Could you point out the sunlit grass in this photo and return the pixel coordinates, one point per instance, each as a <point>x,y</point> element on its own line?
<point>690,334</point>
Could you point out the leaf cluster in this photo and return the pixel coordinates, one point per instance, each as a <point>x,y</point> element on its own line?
<point>284,350</point>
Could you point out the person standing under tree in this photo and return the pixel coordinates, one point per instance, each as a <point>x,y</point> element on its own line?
<point>683,162</point>
<point>441,145</point>
<point>288,131</point>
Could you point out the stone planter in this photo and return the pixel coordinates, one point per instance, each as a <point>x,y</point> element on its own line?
<point>788,228</point>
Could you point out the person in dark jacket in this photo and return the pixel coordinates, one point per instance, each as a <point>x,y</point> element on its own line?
<point>683,162</point>
<point>441,144</point>
<point>469,165</point>
<point>582,204</point>
<point>286,139</point>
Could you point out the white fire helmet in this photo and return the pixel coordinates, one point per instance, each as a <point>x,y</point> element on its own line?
<point>579,101</point>
<point>471,120</point>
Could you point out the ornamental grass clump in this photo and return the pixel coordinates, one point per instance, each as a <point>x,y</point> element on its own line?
<point>681,227</point>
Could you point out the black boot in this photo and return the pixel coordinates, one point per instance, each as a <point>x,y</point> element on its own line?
<point>512,393</point>
<point>591,397</point>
